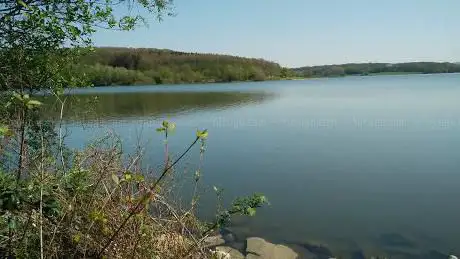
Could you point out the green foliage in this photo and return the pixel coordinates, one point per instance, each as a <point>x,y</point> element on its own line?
<point>42,43</point>
<point>248,205</point>
<point>11,195</point>
<point>287,73</point>
<point>5,131</point>
<point>202,134</point>
<point>24,100</point>
<point>125,66</point>
<point>25,195</point>
<point>376,68</point>
<point>166,126</point>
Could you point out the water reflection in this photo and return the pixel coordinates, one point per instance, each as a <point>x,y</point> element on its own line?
<point>125,106</point>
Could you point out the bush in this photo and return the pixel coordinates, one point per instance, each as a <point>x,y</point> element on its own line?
<point>101,205</point>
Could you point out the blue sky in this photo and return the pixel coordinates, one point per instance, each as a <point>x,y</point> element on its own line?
<point>305,32</point>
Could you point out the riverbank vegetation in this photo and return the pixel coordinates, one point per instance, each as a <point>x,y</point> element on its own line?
<point>100,202</point>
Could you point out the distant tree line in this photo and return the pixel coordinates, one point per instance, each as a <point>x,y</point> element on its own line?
<point>376,68</point>
<point>127,66</point>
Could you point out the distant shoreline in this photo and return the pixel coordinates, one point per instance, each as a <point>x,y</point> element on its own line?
<point>279,79</point>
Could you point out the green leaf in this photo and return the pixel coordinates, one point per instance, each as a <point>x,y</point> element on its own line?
<point>76,238</point>
<point>139,178</point>
<point>20,2</point>
<point>59,91</point>
<point>33,103</point>
<point>5,131</point>
<point>251,211</point>
<point>171,126</point>
<point>160,129</point>
<point>18,97</point>
<point>12,224</point>
<point>128,176</point>
<point>202,134</point>
<point>116,179</point>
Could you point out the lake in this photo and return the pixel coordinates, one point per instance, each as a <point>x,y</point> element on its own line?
<point>358,163</point>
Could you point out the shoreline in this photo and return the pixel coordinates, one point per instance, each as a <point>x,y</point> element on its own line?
<point>226,245</point>
<point>273,80</point>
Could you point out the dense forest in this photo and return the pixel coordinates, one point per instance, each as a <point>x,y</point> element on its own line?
<point>127,66</point>
<point>376,68</point>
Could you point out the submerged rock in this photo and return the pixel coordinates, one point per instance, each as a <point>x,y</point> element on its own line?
<point>395,240</point>
<point>228,236</point>
<point>258,248</point>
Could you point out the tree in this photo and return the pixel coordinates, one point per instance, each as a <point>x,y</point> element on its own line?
<point>284,72</point>
<point>41,41</point>
<point>375,68</point>
<point>256,74</point>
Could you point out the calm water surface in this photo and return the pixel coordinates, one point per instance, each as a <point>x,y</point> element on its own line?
<point>357,163</point>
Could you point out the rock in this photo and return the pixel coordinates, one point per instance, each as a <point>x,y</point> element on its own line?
<point>228,236</point>
<point>302,253</point>
<point>452,257</point>
<point>258,248</point>
<point>213,241</point>
<point>220,255</point>
<point>240,246</point>
<point>232,252</point>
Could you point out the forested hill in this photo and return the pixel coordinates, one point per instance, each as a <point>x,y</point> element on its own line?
<point>127,66</point>
<point>377,68</point>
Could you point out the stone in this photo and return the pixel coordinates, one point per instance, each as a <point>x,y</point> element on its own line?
<point>302,253</point>
<point>452,257</point>
<point>220,255</point>
<point>258,248</point>
<point>240,246</point>
<point>232,252</point>
<point>213,241</point>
